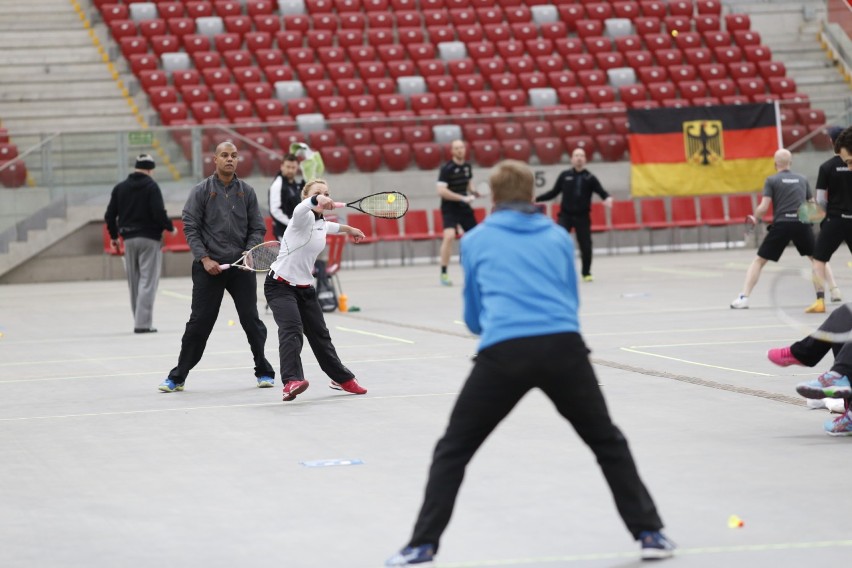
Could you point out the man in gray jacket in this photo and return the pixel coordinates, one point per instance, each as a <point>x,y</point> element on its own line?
<point>221,220</point>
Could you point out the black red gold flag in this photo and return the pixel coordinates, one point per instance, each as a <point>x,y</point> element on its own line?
<point>701,150</point>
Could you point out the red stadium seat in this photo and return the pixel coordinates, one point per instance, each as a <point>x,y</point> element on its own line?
<point>427,155</point>
<point>769,69</point>
<point>193,43</point>
<point>569,46</point>
<point>517,149</point>
<point>611,146</point>
<point>378,86</point>
<point>717,38</point>
<point>151,28</point>
<point>742,70</point>
<point>811,118</point>
<point>267,23</point>
<point>570,14</point>
<point>367,157</point>
<point>549,150</point>
<point>586,28</point>
<point>647,25</point>
<point>735,22</point>
<point>142,62</point>
<point>289,39</point>
<point>757,53</point>
<point>639,59</point>
<point>195,94</point>
<point>135,45</point>
<point>751,86</point>
<point>397,156</point>
<point>632,93</point>
<point>486,153</point>
<point>728,54</point>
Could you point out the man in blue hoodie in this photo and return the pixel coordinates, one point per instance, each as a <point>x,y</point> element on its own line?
<point>522,301</point>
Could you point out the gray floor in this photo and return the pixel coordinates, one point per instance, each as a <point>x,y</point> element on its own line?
<point>100,469</point>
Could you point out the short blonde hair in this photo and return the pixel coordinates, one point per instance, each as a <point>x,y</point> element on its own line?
<point>511,180</point>
<point>312,183</point>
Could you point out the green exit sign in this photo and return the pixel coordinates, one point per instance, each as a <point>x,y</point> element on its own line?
<point>141,138</point>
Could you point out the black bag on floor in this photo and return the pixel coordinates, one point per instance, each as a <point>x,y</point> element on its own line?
<point>326,293</point>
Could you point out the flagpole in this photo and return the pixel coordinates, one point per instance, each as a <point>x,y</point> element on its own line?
<point>777,105</point>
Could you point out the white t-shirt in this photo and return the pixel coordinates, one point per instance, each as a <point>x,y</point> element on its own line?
<point>303,240</point>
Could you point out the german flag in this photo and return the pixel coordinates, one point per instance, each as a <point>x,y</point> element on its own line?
<point>701,150</point>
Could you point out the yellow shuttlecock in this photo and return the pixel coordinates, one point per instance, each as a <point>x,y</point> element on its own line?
<point>734,522</point>
<point>391,198</point>
<point>674,33</point>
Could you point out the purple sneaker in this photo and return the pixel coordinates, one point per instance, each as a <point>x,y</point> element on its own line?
<point>827,385</point>
<point>840,426</point>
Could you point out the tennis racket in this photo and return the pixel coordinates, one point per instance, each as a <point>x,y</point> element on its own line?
<point>257,259</point>
<point>388,205</point>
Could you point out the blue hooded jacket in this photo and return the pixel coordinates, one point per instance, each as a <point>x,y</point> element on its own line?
<point>520,279</point>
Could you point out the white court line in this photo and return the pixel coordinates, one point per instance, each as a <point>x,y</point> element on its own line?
<point>687,330</point>
<point>634,555</point>
<point>709,343</point>
<point>361,332</point>
<point>219,406</point>
<point>175,295</point>
<point>628,349</point>
<point>681,272</point>
<point>210,353</point>
<point>160,372</point>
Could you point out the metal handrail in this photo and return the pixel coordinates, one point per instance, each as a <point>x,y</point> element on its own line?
<point>30,150</point>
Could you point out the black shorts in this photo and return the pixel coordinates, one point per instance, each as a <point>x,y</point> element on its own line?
<point>780,236</point>
<point>458,216</point>
<point>832,232</point>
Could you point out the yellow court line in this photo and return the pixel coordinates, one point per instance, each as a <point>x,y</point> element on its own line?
<point>219,406</point>
<point>679,552</point>
<point>350,330</point>
<point>175,294</point>
<point>695,362</point>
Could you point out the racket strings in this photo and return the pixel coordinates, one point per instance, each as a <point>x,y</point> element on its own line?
<point>263,256</point>
<point>392,205</point>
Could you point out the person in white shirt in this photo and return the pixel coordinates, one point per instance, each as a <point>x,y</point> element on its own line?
<point>291,295</point>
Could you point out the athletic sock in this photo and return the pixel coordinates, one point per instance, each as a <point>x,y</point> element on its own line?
<point>443,270</point>
<point>820,295</point>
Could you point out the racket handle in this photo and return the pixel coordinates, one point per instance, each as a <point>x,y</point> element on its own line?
<point>224,266</point>
<point>339,204</point>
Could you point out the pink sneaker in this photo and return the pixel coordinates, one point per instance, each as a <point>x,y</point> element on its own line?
<point>293,388</point>
<point>782,357</point>
<point>350,386</point>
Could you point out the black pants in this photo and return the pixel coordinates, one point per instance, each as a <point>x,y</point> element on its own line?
<point>207,294</point>
<point>298,315</point>
<point>582,225</point>
<point>810,351</point>
<point>559,365</point>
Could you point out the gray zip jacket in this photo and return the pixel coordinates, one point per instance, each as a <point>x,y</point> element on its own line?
<point>222,222</point>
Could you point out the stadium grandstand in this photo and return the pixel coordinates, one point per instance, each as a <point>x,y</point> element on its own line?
<point>381,88</point>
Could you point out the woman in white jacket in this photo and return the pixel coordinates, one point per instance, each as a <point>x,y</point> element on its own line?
<point>291,295</point>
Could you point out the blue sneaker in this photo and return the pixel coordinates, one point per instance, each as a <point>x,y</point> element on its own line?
<point>655,546</point>
<point>841,426</point>
<point>265,382</point>
<point>827,385</point>
<point>412,555</point>
<point>170,386</point>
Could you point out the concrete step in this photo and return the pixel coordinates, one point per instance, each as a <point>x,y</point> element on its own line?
<point>26,57</point>
<point>57,39</point>
<point>35,125</point>
<point>49,74</point>
<point>83,107</point>
<point>40,25</point>
<point>36,92</point>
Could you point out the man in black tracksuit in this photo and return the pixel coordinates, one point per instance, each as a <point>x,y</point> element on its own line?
<point>576,186</point>
<point>136,213</point>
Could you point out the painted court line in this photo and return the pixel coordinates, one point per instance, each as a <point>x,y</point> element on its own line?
<point>628,555</point>
<point>362,332</point>
<point>796,401</point>
<point>210,353</point>
<point>631,350</point>
<point>218,407</point>
<point>160,372</point>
